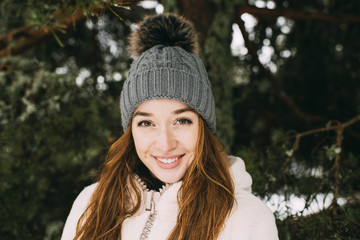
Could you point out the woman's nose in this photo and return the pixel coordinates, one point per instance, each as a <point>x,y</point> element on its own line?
<point>166,140</point>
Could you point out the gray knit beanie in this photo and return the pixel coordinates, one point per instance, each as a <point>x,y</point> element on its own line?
<point>167,67</point>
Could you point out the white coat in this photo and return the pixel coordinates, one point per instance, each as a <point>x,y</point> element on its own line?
<point>250,219</point>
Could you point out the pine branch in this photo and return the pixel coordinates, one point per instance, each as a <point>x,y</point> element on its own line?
<point>19,40</point>
<point>26,37</point>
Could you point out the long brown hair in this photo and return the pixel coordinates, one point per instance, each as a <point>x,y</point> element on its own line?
<point>205,197</point>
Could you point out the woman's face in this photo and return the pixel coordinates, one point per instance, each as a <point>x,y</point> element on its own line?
<point>165,133</point>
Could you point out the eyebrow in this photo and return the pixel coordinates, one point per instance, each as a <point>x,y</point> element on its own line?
<point>144,114</point>
<point>176,112</point>
<point>187,109</point>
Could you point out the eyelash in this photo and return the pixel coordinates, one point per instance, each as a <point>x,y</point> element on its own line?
<point>144,123</point>
<point>184,121</point>
<point>181,121</point>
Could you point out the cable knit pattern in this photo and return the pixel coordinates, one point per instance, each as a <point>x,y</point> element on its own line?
<point>172,73</point>
<point>250,218</point>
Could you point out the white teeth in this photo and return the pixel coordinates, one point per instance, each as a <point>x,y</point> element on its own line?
<point>168,160</point>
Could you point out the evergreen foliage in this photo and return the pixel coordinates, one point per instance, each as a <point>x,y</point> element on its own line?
<point>323,225</point>
<point>51,131</point>
<point>217,58</point>
<point>218,61</point>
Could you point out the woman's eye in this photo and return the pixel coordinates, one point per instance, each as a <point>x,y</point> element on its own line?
<point>144,124</point>
<point>183,121</point>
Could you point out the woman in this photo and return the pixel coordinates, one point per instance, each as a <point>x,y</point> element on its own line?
<point>168,176</point>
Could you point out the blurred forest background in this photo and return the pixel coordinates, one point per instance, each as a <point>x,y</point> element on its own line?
<point>285,75</point>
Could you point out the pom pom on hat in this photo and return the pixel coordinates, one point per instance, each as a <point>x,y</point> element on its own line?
<point>166,29</point>
<point>166,66</point>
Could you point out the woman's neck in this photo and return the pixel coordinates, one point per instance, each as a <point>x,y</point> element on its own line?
<point>148,178</point>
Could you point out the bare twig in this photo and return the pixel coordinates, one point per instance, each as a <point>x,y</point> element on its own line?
<point>339,134</point>
<point>340,127</point>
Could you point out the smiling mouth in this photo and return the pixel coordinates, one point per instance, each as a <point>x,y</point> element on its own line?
<point>168,160</point>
